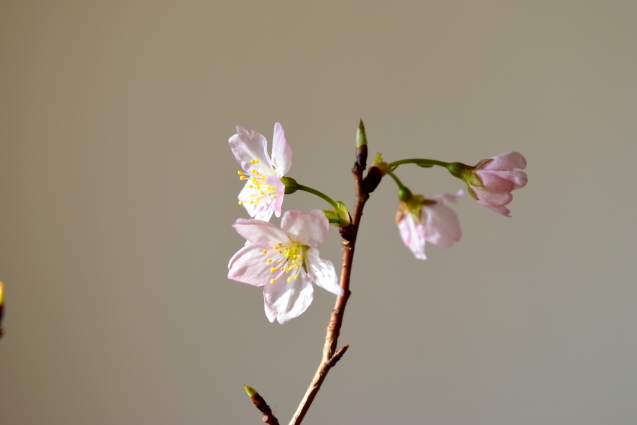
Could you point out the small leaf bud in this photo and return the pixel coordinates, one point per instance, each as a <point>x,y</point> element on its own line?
<point>361,137</point>
<point>250,391</point>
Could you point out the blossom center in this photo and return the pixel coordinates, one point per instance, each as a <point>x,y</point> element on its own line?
<point>290,260</point>
<point>256,182</point>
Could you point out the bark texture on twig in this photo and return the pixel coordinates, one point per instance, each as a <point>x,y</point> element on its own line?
<point>348,233</point>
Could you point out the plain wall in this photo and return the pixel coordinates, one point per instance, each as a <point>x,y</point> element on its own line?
<point>118,191</point>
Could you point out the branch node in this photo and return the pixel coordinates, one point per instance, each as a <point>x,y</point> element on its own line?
<point>337,356</point>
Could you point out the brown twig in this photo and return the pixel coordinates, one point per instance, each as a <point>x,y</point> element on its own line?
<point>348,233</point>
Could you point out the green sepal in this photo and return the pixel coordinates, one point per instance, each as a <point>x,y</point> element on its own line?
<point>290,184</point>
<point>338,217</point>
<point>404,194</point>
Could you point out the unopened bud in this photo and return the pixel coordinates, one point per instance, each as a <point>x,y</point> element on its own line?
<point>361,137</point>
<point>250,391</point>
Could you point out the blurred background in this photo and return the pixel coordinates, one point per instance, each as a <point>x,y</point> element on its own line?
<point>119,190</point>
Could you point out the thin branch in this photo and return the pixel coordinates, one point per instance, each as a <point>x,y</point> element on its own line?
<point>348,233</point>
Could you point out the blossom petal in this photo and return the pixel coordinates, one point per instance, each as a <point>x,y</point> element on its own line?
<point>444,198</point>
<point>309,229</point>
<point>247,145</point>
<point>506,162</point>
<point>261,210</point>
<point>413,236</point>
<point>442,226</point>
<point>518,178</point>
<point>249,265</point>
<point>500,210</point>
<point>495,199</point>
<point>260,233</point>
<point>280,192</point>
<point>285,300</point>
<point>322,272</point>
<point>495,183</point>
<point>281,151</point>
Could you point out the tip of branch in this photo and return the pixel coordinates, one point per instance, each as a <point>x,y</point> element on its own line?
<point>250,391</point>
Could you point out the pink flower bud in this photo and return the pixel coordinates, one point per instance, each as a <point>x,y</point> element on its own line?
<point>495,178</point>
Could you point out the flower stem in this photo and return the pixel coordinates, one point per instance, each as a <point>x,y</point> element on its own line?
<point>420,161</point>
<point>319,194</point>
<point>330,354</point>
<point>397,180</point>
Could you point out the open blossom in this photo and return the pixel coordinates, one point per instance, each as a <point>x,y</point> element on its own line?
<point>420,219</point>
<point>497,177</point>
<point>263,192</point>
<point>285,261</point>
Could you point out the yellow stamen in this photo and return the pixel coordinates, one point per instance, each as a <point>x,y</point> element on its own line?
<point>265,251</point>
<point>269,260</point>
<point>272,280</point>
<point>240,172</point>
<point>273,269</point>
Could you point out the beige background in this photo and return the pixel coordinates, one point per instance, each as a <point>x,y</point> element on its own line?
<point>118,190</point>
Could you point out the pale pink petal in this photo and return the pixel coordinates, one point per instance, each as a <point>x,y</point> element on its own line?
<point>495,199</point>
<point>518,178</point>
<point>264,211</point>
<point>494,183</point>
<point>285,300</point>
<point>506,162</point>
<point>309,229</point>
<point>413,236</point>
<point>444,198</point>
<point>500,210</point>
<point>281,151</point>
<point>442,226</point>
<point>244,196</point>
<point>260,233</point>
<point>322,272</point>
<point>280,192</point>
<point>249,265</point>
<point>247,145</point>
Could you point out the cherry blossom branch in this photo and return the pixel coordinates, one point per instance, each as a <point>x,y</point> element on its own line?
<point>348,233</point>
